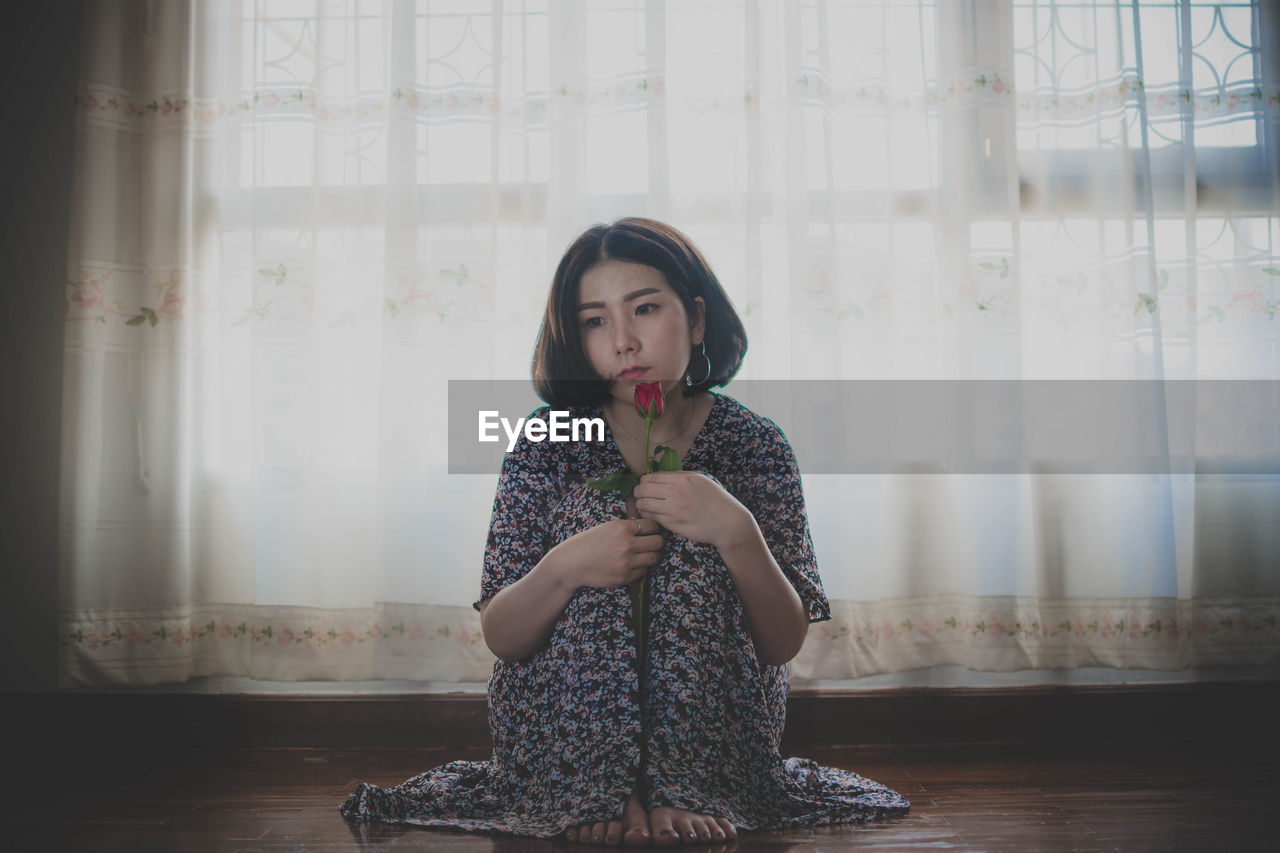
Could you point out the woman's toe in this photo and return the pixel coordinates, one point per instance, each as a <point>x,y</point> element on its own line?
<point>635,824</point>
<point>636,836</point>
<point>726,826</point>
<point>661,828</point>
<point>612,832</point>
<point>597,833</point>
<point>684,828</point>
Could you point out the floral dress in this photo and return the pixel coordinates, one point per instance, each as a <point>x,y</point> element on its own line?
<point>568,721</point>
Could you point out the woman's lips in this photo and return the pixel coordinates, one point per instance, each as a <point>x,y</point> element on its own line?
<point>633,372</point>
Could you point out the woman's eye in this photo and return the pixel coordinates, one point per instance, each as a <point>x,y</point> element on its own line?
<point>596,322</point>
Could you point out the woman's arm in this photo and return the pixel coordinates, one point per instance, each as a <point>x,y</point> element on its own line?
<point>608,556</point>
<point>520,618</point>
<point>699,508</point>
<point>775,615</point>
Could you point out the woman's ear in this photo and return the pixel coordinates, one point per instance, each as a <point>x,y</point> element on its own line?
<point>700,325</point>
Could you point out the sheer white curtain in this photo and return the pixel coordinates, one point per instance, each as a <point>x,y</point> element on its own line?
<point>293,222</point>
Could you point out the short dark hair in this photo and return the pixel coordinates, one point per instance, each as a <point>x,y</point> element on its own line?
<point>563,375</point>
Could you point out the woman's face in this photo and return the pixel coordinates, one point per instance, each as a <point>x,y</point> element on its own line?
<point>629,317</point>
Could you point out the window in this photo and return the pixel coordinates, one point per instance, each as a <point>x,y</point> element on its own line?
<point>1200,64</point>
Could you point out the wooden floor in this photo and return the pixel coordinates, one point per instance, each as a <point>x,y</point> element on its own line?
<point>970,797</point>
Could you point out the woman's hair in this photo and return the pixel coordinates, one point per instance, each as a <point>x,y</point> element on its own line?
<point>562,373</point>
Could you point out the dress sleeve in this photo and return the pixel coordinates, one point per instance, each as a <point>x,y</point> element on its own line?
<point>519,529</point>
<point>778,505</point>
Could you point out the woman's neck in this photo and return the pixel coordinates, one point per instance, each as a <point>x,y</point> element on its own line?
<point>674,425</point>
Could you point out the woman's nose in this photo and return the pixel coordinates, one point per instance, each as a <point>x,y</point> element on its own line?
<point>624,337</point>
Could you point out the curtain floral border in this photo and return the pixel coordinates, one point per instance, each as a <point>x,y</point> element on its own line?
<point>454,292</point>
<point>101,102</point>
<point>1002,633</point>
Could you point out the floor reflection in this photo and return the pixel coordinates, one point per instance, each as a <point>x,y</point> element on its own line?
<point>379,836</point>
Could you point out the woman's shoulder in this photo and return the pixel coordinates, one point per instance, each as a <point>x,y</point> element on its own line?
<point>754,432</point>
<point>746,451</point>
<point>560,438</point>
<point>527,451</point>
<point>748,437</point>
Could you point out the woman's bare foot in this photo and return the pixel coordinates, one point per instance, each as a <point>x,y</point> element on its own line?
<point>633,829</point>
<point>679,826</point>
<point>664,826</point>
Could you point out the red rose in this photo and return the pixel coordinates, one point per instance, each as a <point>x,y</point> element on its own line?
<point>649,399</point>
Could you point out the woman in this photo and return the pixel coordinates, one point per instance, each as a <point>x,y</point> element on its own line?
<point>589,739</point>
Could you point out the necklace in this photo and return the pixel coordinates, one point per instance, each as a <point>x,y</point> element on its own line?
<point>688,422</point>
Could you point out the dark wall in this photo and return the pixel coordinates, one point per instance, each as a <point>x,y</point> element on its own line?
<point>39,57</point>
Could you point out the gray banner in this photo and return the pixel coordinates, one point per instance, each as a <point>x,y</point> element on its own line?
<point>954,426</point>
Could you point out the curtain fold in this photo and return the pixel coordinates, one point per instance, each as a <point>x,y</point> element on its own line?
<point>294,222</point>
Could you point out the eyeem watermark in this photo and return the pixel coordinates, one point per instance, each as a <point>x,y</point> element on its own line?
<point>1165,427</point>
<point>558,428</point>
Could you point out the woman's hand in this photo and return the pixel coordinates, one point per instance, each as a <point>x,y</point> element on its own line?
<point>692,505</point>
<point>609,555</point>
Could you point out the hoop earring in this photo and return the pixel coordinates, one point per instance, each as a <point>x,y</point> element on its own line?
<point>688,380</point>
